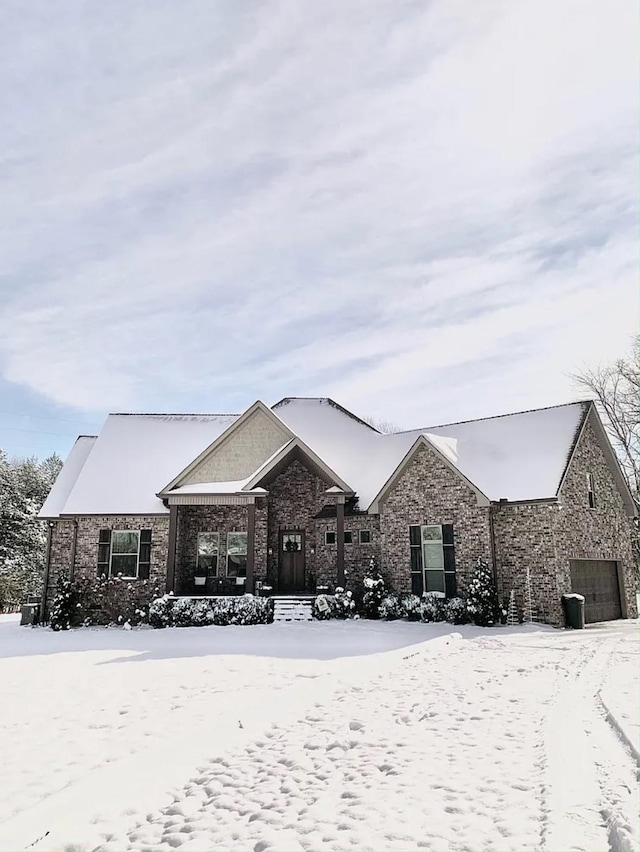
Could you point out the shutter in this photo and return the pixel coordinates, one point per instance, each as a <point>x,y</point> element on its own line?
<point>144,563</point>
<point>415,550</point>
<point>448,548</point>
<point>104,550</point>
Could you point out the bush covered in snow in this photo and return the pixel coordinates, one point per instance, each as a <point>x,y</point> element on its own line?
<point>169,611</point>
<point>455,611</point>
<point>64,607</point>
<point>482,596</point>
<point>391,608</point>
<point>410,606</point>
<point>432,607</point>
<point>340,605</point>
<point>102,600</point>
<point>374,592</point>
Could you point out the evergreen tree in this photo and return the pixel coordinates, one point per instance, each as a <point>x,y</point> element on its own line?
<point>482,596</point>
<point>24,485</point>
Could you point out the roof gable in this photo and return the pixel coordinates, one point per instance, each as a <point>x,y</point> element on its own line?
<point>67,477</point>
<point>238,452</point>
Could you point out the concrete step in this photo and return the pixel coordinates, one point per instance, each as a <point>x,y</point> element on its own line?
<point>292,608</point>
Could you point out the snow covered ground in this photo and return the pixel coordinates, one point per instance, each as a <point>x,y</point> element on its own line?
<point>335,735</point>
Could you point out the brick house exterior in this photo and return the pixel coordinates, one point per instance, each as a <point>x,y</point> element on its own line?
<point>306,496</point>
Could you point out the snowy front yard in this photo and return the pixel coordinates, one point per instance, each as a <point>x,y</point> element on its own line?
<point>334,735</point>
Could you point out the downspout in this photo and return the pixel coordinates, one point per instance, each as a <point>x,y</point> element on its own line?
<point>74,543</point>
<point>43,606</point>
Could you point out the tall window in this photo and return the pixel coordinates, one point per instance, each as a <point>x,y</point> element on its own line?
<point>125,549</point>
<point>236,554</point>
<point>432,559</point>
<point>208,549</point>
<point>591,494</point>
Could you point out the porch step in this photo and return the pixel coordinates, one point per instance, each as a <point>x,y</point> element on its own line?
<point>292,608</point>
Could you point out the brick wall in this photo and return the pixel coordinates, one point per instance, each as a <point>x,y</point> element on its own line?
<point>605,532</point>
<point>295,497</point>
<point>526,535</point>
<point>86,558</point>
<point>429,492</point>
<point>356,556</point>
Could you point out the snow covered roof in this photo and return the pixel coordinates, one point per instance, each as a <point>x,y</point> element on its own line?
<point>516,456</point>
<point>67,477</point>
<point>134,456</point>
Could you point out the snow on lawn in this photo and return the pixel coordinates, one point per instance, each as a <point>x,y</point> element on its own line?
<point>343,735</point>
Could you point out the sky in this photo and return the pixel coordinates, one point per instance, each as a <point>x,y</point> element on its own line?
<point>425,210</point>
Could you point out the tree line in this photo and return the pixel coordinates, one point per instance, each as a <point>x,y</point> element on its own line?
<point>24,485</point>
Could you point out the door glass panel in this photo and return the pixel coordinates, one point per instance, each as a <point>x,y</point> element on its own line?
<point>291,542</point>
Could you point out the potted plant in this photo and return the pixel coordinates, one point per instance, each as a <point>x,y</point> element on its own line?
<point>200,577</point>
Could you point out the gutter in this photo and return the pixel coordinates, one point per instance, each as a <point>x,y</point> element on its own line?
<point>47,565</point>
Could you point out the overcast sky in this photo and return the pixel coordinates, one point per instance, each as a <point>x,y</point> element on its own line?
<point>425,210</point>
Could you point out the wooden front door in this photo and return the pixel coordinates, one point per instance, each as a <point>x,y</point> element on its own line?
<point>291,570</point>
<point>597,580</point>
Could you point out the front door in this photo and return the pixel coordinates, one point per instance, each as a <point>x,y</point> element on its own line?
<point>291,571</point>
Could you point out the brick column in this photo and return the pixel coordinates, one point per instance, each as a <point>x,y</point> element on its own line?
<point>171,555</point>
<point>251,546</point>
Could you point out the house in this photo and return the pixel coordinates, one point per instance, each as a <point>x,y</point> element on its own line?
<point>303,495</point>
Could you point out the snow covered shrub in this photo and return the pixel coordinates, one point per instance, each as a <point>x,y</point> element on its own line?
<point>482,596</point>
<point>410,605</point>
<point>374,592</point>
<point>391,608</point>
<point>64,607</point>
<point>432,607</point>
<point>340,605</point>
<point>169,611</point>
<point>160,611</point>
<point>455,611</point>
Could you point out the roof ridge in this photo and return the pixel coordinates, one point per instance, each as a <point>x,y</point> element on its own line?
<point>496,416</point>
<point>330,402</point>
<point>169,414</point>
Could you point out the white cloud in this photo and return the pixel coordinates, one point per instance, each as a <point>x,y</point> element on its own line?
<point>426,209</point>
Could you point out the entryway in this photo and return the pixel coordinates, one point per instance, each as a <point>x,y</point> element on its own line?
<point>597,580</point>
<point>291,563</point>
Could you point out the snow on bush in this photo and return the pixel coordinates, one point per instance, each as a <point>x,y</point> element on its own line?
<point>374,592</point>
<point>455,611</point>
<point>410,606</point>
<point>101,600</point>
<point>169,611</point>
<point>482,596</point>
<point>340,605</point>
<point>391,608</point>
<point>432,607</point>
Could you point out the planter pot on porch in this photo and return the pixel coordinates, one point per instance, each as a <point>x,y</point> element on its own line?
<point>200,581</point>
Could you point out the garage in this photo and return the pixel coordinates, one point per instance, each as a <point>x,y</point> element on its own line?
<point>597,580</point>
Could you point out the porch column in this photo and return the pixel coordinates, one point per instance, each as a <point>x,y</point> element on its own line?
<point>171,555</point>
<point>251,546</point>
<point>340,541</point>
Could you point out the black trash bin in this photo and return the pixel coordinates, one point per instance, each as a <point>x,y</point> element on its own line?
<point>573,611</point>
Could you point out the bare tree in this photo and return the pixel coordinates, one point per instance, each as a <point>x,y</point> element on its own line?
<point>616,389</point>
<point>384,426</point>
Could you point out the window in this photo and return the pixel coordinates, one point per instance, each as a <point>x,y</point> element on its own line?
<point>329,537</point>
<point>207,557</point>
<point>365,537</point>
<point>432,559</point>
<point>125,549</point>
<point>236,554</point>
<point>591,491</point>
<point>348,536</point>
<point>124,552</point>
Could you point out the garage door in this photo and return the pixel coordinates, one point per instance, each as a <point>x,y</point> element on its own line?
<point>597,580</point>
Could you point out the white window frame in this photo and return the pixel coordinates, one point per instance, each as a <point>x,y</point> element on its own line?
<point>426,570</point>
<point>591,491</point>
<point>335,538</point>
<point>360,532</point>
<point>237,577</point>
<point>209,532</point>
<point>111,555</point>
